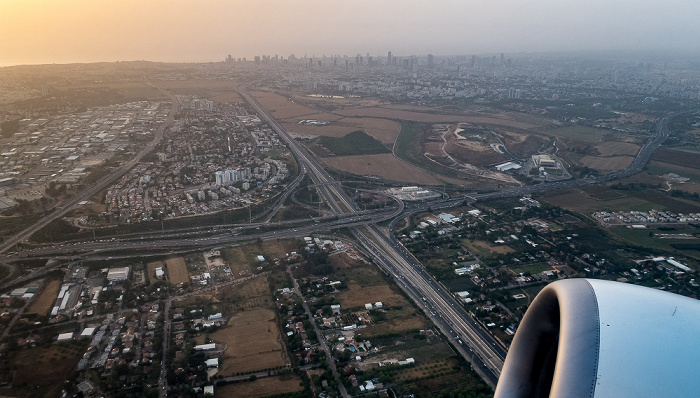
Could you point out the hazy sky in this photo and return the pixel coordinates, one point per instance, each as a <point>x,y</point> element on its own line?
<point>60,31</point>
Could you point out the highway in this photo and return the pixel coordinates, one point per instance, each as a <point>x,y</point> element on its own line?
<point>101,184</point>
<point>437,304</point>
<point>469,338</point>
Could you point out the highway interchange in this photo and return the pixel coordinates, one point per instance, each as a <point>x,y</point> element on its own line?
<point>469,338</point>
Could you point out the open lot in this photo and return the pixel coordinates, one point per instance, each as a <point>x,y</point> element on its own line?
<point>151,270</point>
<point>43,302</point>
<point>579,133</point>
<point>616,148</point>
<point>262,387</point>
<point>386,112</point>
<point>606,164</point>
<point>383,165</point>
<point>253,342</point>
<point>41,372</point>
<point>491,249</point>
<point>280,107</point>
<point>357,296</point>
<point>177,270</point>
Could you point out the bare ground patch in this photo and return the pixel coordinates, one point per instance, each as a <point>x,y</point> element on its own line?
<point>357,296</point>
<point>177,270</point>
<point>281,107</point>
<point>615,148</point>
<point>383,165</point>
<point>262,387</point>
<point>42,303</point>
<point>253,341</point>
<point>607,164</point>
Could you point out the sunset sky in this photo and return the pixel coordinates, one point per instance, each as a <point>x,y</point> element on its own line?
<point>62,31</point>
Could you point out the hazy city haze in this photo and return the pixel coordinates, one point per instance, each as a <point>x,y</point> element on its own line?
<point>35,31</point>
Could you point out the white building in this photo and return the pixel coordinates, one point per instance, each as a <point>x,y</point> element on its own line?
<point>118,274</point>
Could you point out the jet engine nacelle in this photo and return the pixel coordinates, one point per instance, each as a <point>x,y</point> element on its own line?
<point>595,338</point>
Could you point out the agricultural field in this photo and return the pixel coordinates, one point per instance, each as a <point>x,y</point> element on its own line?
<point>606,164</point>
<point>44,301</point>
<point>385,166</point>
<point>54,364</point>
<point>678,157</point>
<point>651,238</point>
<point>384,130</point>
<point>357,296</point>
<point>484,248</point>
<point>660,168</point>
<point>616,148</point>
<point>533,269</point>
<point>353,144</point>
<point>253,342</point>
<point>579,133</point>
<point>280,107</point>
<point>251,294</point>
<point>393,113</point>
<point>262,387</point>
<point>579,201</point>
<point>177,270</point>
<point>215,90</point>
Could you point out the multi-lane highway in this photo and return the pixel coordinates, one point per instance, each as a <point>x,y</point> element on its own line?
<point>101,184</point>
<point>468,336</point>
<point>439,305</point>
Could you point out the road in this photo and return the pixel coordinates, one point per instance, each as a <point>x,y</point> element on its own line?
<point>101,184</point>
<point>468,336</point>
<point>452,320</point>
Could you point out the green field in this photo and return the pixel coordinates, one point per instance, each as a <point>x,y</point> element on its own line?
<point>580,133</point>
<point>353,144</point>
<point>533,269</point>
<point>642,238</point>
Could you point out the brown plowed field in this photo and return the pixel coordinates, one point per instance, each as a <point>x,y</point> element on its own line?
<point>253,341</point>
<point>42,304</point>
<point>262,387</point>
<point>681,158</point>
<point>177,270</point>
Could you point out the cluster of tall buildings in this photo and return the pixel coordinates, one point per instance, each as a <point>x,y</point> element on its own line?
<point>229,177</point>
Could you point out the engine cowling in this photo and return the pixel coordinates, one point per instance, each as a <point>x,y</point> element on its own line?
<point>595,338</point>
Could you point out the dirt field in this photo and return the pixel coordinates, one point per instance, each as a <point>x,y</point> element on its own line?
<point>177,270</point>
<point>384,130</point>
<point>579,133</point>
<point>54,364</point>
<point>385,112</point>
<point>358,296</point>
<point>241,259</point>
<point>398,325</point>
<point>262,387</point>
<point>253,340</point>
<point>615,148</point>
<point>383,165</point>
<point>607,164</point>
<point>500,249</point>
<point>151,268</point>
<point>280,107</point>
<point>42,303</point>
<point>278,249</point>
<point>252,294</point>
<point>578,201</point>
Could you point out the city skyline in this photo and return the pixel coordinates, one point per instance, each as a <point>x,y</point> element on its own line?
<point>38,32</point>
